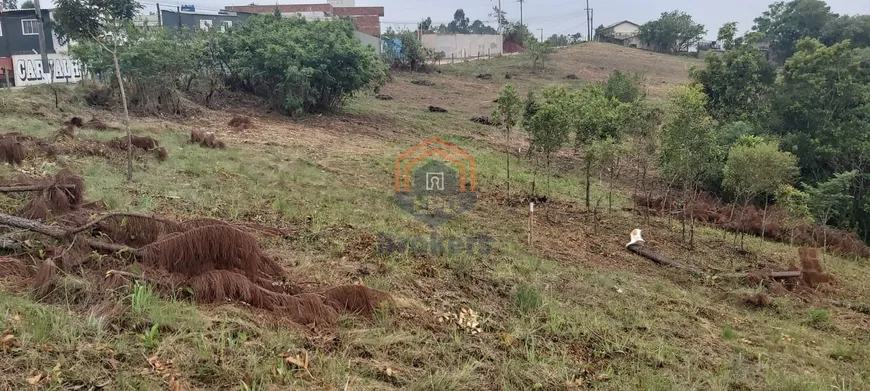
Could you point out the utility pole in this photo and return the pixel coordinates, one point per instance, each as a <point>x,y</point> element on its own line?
<point>159,16</point>
<point>41,31</point>
<point>591,23</point>
<point>542,35</point>
<point>588,22</point>
<point>521,10</point>
<point>500,30</point>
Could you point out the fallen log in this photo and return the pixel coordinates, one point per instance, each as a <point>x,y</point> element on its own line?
<point>57,232</point>
<point>23,188</point>
<point>639,249</point>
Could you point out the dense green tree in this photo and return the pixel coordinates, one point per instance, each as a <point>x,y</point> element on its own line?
<point>403,50</point>
<point>425,24</point>
<point>518,33</point>
<point>460,23</point>
<point>727,35</point>
<point>755,167</point>
<point>673,31</point>
<point>855,28</point>
<point>299,65</point>
<point>594,117</point>
<point>27,4</point>
<point>783,24</point>
<point>738,84</point>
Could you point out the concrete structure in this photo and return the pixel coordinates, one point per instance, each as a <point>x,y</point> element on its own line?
<point>464,45</point>
<point>366,19</point>
<point>18,33</point>
<point>202,20</point>
<point>369,40</point>
<point>19,51</point>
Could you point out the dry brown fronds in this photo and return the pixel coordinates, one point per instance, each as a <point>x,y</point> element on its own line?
<point>214,247</point>
<point>45,280</point>
<point>357,299</point>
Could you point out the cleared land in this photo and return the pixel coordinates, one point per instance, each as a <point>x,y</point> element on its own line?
<point>573,311</point>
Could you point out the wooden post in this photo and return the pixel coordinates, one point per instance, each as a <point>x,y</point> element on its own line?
<point>531,219</point>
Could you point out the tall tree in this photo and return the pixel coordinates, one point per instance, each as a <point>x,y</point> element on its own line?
<point>425,24</point>
<point>460,23</point>
<point>689,153</point>
<point>673,31</point>
<point>549,126</point>
<point>508,112</point>
<point>757,168</point>
<point>27,4</point>
<point>783,24</point>
<point>738,84</point>
<point>854,28</point>
<point>727,34</point>
<point>594,118</point>
<point>103,22</point>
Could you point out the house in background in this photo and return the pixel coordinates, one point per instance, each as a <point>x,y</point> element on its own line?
<point>366,19</point>
<point>220,21</point>
<point>623,33</point>
<point>20,52</point>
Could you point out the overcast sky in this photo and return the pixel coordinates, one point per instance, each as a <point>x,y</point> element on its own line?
<point>558,16</point>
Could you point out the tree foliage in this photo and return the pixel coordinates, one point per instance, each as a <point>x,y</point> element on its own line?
<point>626,87</point>
<point>822,109</point>
<point>783,24</point>
<point>403,50</point>
<point>689,152</point>
<point>539,53</point>
<point>738,84</point>
<point>728,35</point>
<point>756,167</point>
<point>299,65</point>
<point>518,33</point>
<point>674,31</point>
<point>27,4</point>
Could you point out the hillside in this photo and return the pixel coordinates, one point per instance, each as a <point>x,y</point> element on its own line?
<point>574,310</point>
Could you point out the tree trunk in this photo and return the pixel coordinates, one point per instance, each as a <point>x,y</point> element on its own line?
<point>764,218</point>
<point>126,116</point>
<point>588,179</point>
<point>508,164</point>
<point>548,175</point>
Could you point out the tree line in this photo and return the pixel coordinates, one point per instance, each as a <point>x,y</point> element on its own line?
<point>791,129</point>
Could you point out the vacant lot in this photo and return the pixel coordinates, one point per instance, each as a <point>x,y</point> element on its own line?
<point>573,310</point>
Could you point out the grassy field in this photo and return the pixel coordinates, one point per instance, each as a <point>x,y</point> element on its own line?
<point>573,311</point>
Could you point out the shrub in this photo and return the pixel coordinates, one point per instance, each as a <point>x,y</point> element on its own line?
<point>624,87</point>
<point>299,65</point>
<point>403,50</point>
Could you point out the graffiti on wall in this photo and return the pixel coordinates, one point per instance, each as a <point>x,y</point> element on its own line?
<point>29,70</point>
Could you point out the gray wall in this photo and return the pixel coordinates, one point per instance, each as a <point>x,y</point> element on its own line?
<point>14,42</point>
<point>173,19</point>
<point>368,40</point>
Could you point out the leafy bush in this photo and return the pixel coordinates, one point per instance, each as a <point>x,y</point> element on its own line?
<point>403,50</point>
<point>624,87</point>
<point>299,65</point>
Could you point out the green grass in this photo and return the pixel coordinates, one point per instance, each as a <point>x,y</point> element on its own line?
<point>547,324</point>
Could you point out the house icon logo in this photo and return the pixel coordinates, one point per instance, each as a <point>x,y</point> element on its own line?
<point>435,181</point>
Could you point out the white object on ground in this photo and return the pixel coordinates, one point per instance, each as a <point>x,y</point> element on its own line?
<point>635,238</point>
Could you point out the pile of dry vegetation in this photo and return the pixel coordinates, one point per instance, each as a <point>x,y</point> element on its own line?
<point>752,220</point>
<point>207,260</point>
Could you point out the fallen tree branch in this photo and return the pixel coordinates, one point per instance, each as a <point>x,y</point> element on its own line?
<point>23,188</point>
<point>58,233</point>
<point>772,274</point>
<point>115,214</point>
<point>640,250</point>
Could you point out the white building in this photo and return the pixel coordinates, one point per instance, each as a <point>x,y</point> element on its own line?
<point>625,32</point>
